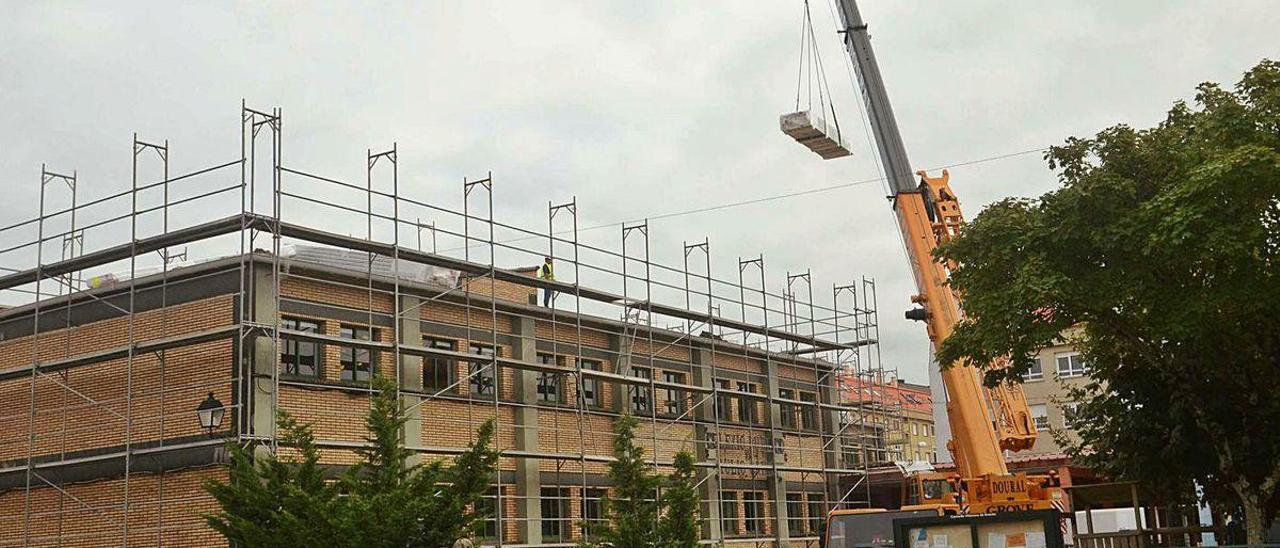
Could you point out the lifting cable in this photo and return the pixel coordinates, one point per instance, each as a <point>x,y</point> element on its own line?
<point>811,65</point>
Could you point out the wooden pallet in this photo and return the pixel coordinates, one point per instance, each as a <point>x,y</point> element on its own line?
<point>812,131</point>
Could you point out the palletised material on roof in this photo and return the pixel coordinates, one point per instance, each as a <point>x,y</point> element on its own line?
<point>810,130</point>
<point>358,261</point>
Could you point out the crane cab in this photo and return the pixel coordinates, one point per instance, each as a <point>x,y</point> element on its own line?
<point>930,490</point>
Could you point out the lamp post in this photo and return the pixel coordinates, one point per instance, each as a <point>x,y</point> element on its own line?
<point>210,412</point>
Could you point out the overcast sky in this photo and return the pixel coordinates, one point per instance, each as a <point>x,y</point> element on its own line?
<point>636,108</point>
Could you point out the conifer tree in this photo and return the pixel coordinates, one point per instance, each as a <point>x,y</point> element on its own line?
<point>680,527</point>
<point>631,514</point>
<point>382,501</point>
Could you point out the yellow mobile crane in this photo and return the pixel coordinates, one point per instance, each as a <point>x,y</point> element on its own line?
<point>984,422</point>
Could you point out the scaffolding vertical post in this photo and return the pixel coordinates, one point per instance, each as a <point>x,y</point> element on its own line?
<point>35,361</point>
<point>391,155</point>
<point>128,384</point>
<point>712,440</point>
<point>487,185</point>
<point>162,151</point>
<point>643,229</point>
<point>277,141</point>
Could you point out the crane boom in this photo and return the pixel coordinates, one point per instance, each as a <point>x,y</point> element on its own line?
<point>928,215</point>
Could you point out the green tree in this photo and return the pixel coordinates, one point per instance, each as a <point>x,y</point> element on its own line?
<point>631,514</point>
<point>1163,246</point>
<point>275,502</point>
<point>679,526</point>
<point>382,501</point>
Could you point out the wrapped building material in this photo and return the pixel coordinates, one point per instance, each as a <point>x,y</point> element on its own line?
<point>812,131</point>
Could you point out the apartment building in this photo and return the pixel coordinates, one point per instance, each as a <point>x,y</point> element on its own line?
<point>1056,371</point>
<point>897,417</point>
<point>917,435</point>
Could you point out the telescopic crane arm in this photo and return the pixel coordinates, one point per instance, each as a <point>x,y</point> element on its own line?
<point>929,214</point>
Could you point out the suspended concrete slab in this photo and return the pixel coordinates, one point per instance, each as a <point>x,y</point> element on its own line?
<point>812,131</point>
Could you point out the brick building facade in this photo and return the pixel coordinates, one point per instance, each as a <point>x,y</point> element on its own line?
<point>100,442</point>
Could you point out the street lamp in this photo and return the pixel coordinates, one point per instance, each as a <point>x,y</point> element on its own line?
<point>210,412</point>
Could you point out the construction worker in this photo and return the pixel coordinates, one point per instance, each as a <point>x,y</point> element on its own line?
<point>548,273</point>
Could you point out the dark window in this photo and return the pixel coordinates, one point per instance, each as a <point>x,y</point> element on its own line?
<point>747,408</point>
<point>753,512</point>
<point>674,404</point>
<point>640,393</point>
<point>817,513</point>
<point>439,373</point>
<point>555,514</point>
<point>549,383</point>
<point>787,411</point>
<point>357,363</point>
<point>300,357</point>
<point>487,508</point>
<point>593,508</point>
<point>809,413</point>
<point>729,513</point>
<point>1035,373</point>
<point>591,387</point>
<point>723,410</point>
<point>795,513</point>
<point>483,373</point>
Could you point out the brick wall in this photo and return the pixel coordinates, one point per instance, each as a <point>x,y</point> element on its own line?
<point>164,510</point>
<point>83,408</point>
<point>505,291</point>
<point>332,406</point>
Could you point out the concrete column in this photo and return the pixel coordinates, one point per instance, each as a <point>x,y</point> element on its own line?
<point>409,325</point>
<point>265,355</point>
<point>621,346</point>
<point>777,483</point>
<point>705,412</point>
<point>828,393</point>
<point>528,475</point>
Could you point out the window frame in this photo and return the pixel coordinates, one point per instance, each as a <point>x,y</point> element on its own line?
<point>787,411</point>
<point>1035,420</point>
<point>490,500</point>
<point>753,503</point>
<point>353,365</point>
<point>1036,372</point>
<point>591,386</point>
<point>729,518</point>
<point>724,400</point>
<point>592,502</point>
<point>560,499</point>
<point>748,404</point>
<point>553,381</point>
<point>317,349</point>
<point>796,520</point>
<point>475,383</point>
<point>1076,365</point>
<point>815,519</point>
<point>431,363</point>
<point>809,413</point>
<point>673,404</point>
<point>640,400</point>
<point>1069,409</point>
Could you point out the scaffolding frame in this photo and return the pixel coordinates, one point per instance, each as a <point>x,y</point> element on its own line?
<point>826,352</point>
